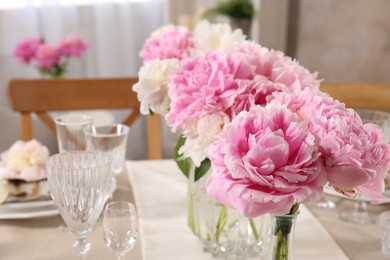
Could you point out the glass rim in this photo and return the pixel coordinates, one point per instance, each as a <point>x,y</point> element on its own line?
<point>100,163</point>
<point>124,130</point>
<point>86,118</point>
<point>130,205</point>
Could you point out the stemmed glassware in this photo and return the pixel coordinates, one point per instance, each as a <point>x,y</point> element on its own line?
<point>359,213</point>
<point>79,183</point>
<point>324,203</point>
<point>120,227</point>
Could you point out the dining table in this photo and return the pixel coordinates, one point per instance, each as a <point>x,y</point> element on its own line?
<point>158,189</point>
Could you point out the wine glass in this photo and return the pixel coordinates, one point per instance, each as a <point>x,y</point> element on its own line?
<point>120,227</point>
<point>79,184</point>
<point>359,213</point>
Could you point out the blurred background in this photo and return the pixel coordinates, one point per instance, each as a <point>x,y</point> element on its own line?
<point>345,41</point>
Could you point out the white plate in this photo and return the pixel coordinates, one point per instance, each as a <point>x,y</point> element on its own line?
<point>26,205</point>
<point>32,209</point>
<point>29,214</point>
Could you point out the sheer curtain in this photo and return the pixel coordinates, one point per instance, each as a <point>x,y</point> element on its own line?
<point>114,29</point>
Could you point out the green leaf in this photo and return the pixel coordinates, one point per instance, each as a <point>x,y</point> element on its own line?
<point>182,162</point>
<point>294,209</point>
<point>202,169</point>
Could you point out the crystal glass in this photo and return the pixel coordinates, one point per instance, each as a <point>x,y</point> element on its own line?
<point>110,139</point>
<point>120,227</point>
<point>79,183</point>
<point>359,214</point>
<point>70,132</point>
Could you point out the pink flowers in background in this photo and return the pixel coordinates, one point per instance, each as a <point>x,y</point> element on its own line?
<point>50,60</point>
<point>25,50</point>
<point>47,56</point>
<point>72,45</point>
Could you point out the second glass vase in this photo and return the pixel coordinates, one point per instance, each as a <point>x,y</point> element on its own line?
<point>222,231</point>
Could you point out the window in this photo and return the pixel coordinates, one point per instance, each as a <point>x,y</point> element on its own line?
<point>14,4</point>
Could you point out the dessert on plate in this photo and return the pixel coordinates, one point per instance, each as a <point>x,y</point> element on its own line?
<point>23,172</point>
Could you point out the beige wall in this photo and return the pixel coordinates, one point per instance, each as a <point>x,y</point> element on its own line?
<point>346,40</point>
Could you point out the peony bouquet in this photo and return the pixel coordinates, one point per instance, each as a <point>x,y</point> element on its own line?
<point>50,60</point>
<point>272,138</point>
<point>212,78</point>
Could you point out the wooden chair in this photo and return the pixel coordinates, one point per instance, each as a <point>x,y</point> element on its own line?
<point>40,96</point>
<point>360,95</point>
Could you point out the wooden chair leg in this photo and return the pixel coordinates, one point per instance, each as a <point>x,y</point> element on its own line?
<point>26,127</point>
<point>154,138</point>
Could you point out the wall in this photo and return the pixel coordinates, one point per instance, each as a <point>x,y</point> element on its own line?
<point>345,40</point>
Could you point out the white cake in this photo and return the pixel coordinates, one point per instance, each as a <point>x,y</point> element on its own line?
<point>23,172</point>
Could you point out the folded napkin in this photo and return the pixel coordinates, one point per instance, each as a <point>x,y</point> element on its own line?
<point>160,192</point>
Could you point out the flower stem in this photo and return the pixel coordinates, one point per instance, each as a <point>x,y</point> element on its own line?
<point>222,219</point>
<point>282,232</point>
<point>254,230</point>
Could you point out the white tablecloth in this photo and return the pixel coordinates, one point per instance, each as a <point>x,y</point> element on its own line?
<point>160,195</point>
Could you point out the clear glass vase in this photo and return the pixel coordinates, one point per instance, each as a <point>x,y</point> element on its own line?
<point>222,231</point>
<point>282,237</point>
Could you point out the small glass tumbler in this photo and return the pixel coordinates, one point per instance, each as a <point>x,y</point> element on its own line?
<point>70,132</point>
<point>384,220</point>
<point>110,139</point>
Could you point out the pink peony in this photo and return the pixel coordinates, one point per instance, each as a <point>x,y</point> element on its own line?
<point>47,56</point>
<point>356,156</point>
<point>232,82</point>
<point>279,68</point>
<point>170,42</point>
<point>265,161</point>
<point>25,50</point>
<point>72,45</point>
<point>203,86</point>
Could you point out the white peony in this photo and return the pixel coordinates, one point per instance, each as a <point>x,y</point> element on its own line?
<point>213,37</point>
<point>24,155</point>
<point>152,85</point>
<point>206,131</point>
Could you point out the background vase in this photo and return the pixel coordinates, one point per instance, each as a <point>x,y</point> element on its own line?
<point>222,231</point>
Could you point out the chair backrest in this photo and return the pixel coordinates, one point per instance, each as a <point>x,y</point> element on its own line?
<point>40,96</point>
<point>360,95</point>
